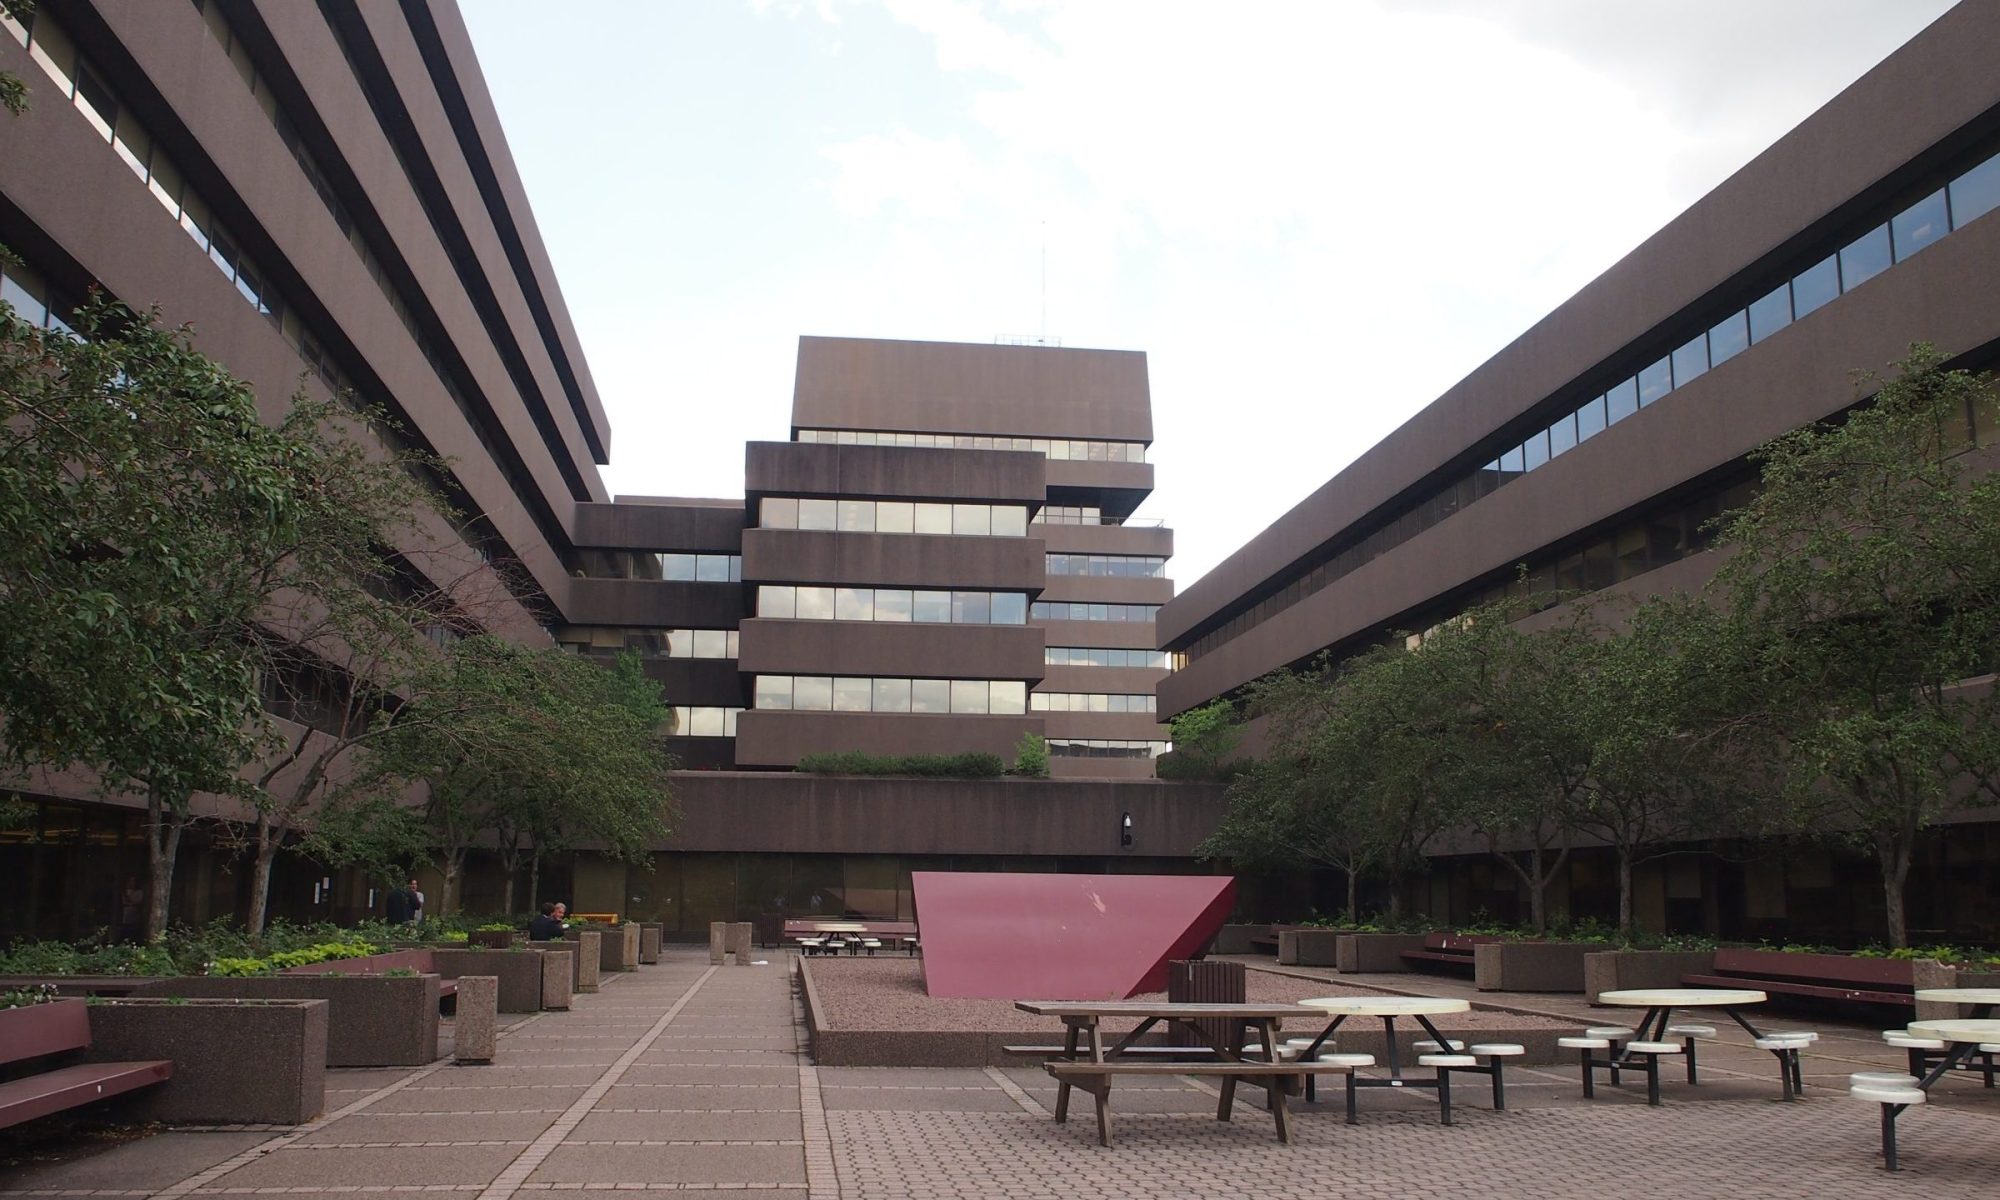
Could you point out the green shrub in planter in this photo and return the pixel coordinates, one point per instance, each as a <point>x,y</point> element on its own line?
<point>977,765</point>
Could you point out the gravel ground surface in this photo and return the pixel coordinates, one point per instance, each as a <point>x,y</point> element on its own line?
<point>888,993</point>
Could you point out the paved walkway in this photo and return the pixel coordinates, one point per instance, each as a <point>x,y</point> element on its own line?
<point>684,1077</point>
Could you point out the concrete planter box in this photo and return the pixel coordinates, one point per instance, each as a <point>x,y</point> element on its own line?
<point>586,957</point>
<point>1530,966</point>
<point>372,1020</point>
<point>651,934</point>
<point>235,1061</point>
<point>1307,947</point>
<point>1235,939</point>
<point>618,946</point>
<point>519,972</point>
<point>491,939</point>
<point>1622,970</point>
<point>1374,953</point>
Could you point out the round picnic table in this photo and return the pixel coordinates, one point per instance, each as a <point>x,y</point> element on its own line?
<point>1388,1008</point>
<point>1971,1031</point>
<point>1660,1004</point>
<point>1982,1000</point>
<point>1965,1040</point>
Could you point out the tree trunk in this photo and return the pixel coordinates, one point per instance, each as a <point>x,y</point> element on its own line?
<point>260,876</point>
<point>1538,894</point>
<point>1353,896</point>
<point>454,861</point>
<point>1624,892</point>
<point>163,847</point>
<point>513,875</point>
<point>535,879</point>
<point>1895,860</point>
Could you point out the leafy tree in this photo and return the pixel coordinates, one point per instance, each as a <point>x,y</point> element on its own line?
<point>1657,697</point>
<point>1031,757</point>
<point>1204,738</point>
<point>1866,582</point>
<point>153,527</point>
<point>534,746</point>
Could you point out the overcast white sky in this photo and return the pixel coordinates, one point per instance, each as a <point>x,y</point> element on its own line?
<point>1314,217</point>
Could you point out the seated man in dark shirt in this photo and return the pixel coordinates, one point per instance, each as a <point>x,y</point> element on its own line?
<point>545,927</point>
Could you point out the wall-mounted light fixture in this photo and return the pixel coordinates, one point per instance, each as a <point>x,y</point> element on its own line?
<point>1125,831</point>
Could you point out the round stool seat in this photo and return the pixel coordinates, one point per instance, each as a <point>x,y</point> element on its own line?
<point>1881,1079</point>
<point>1807,1034</point>
<point>1583,1043</point>
<point>1300,1043</point>
<point>1780,1043</point>
<point>1989,1047</point>
<point>1691,1030</point>
<point>1348,1060</point>
<point>1906,1042</point>
<point>1655,1047</point>
<point>1446,1060</point>
<point>1497,1049</point>
<point>1607,1031</point>
<point>1888,1095</point>
<point>1429,1047</point>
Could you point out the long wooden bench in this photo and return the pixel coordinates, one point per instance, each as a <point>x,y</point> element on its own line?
<point>1451,950</point>
<point>1277,1079</point>
<point>62,1027</point>
<point>1813,976</point>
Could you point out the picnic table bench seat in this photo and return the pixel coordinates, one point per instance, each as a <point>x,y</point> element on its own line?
<point>1274,1077</point>
<point>62,1027</point>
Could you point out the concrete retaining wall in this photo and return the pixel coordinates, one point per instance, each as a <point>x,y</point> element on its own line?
<point>519,972</point>
<point>1530,966</point>
<point>372,1020</point>
<point>1374,953</point>
<point>235,1061</point>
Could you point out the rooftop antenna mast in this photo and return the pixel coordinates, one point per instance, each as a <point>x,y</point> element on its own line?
<point>1042,338</point>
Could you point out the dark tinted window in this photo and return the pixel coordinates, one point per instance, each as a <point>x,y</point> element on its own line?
<point>1690,361</point>
<point>1975,193</point>
<point>1772,313</point>
<point>1864,258</point>
<point>1815,286</point>
<point>1728,339</point>
<point>1920,224</point>
<point>1655,381</point>
<point>1621,401</point>
<point>1590,420</point>
<point>1562,435</point>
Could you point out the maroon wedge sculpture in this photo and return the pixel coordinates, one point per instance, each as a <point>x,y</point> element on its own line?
<point>1017,936</point>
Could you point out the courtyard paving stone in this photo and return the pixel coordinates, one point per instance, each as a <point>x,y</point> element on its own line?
<point>684,1079</point>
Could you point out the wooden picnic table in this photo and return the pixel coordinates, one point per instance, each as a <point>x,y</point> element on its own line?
<point>1086,1062</point>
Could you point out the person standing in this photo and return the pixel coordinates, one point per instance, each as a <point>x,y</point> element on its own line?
<point>416,902</point>
<point>399,906</point>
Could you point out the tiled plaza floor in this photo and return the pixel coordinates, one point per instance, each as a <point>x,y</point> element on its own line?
<point>684,1077</point>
